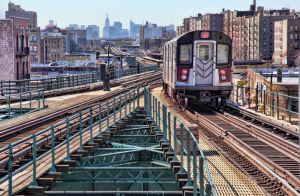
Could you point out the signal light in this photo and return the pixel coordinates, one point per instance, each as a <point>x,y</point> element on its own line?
<point>204,35</point>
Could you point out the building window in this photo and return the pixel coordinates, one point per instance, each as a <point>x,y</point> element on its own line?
<point>33,38</point>
<point>291,28</point>
<point>291,36</point>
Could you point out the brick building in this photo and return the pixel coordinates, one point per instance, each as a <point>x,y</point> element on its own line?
<point>213,22</point>
<point>252,32</point>
<point>17,11</point>
<point>14,49</point>
<point>287,42</point>
<point>190,24</point>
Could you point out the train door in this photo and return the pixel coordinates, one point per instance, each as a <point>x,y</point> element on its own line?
<point>204,58</point>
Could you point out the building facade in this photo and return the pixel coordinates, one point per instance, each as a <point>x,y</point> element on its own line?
<point>134,30</point>
<point>17,11</point>
<point>213,22</point>
<point>190,24</point>
<point>252,32</point>
<point>287,42</point>
<point>92,32</point>
<point>52,49</point>
<point>14,50</point>
<point>35,45</point>
<point>153,37</point>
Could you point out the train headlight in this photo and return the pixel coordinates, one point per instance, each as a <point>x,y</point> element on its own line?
<point>183,74</point>
<point>183,77</point>
<point>223,75</point>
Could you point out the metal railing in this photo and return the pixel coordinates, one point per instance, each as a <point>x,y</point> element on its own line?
<point>48,84</point>
<point>270,103</point>
<point>22,103</point>
<point>19,86</point>
<point>183,144</point>
<point>100,115</point>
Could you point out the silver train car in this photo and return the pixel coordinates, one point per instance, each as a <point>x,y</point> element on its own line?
<point>198,66</point>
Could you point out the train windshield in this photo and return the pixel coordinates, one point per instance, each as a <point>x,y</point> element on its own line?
<point>223,54</point>
<point>203,53</point>
<point>186,53</point>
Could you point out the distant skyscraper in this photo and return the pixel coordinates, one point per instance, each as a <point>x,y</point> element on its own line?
<point>73,27</point>
<point>118,29</point>
<point>124,33</point>
<point>134,30</point>
<point>92,32</point>
<point>106,28</point>
<point>17,11</point>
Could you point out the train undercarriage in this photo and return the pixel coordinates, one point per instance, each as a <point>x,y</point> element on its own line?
<point>184,96</point>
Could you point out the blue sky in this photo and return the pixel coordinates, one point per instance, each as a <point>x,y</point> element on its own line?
<point>163,12</point>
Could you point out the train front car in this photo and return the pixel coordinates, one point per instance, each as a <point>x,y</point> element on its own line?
<point>198,66</point>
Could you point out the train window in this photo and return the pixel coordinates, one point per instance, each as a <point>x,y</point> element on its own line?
<point>223,54</point>
<point>203,53</point>
<point>186,53</point>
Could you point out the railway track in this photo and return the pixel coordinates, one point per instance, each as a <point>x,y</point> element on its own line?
<point>271,154</point>
<point>21,128</point>
<point>269,159</point>
<point>279,129</point>
<point>78,115</point>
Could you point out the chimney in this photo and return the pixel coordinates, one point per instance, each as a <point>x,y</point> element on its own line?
<point>253,6</point>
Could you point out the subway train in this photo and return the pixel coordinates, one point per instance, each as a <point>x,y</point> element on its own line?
<point>198,67</point>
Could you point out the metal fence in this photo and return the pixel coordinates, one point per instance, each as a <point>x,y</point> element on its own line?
<point>21,103</point>
<point>101,115</point>
<point>48,84</point>
<point>19,86</point>
<point>270,103</point>
<point>184,145</point>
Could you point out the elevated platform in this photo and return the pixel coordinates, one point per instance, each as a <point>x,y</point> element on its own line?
<point>268,120</point>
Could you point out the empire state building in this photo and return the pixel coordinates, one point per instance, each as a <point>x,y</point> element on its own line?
<point>106,28</point>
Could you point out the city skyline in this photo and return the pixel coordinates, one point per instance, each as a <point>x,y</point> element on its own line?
<point>132,10</point>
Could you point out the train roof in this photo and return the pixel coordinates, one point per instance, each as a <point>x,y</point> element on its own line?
<point>193,33</point>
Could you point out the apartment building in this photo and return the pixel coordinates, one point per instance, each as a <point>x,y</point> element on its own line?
<point>287,42</point>
<point>252,32</point>
<point>213,22</point>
